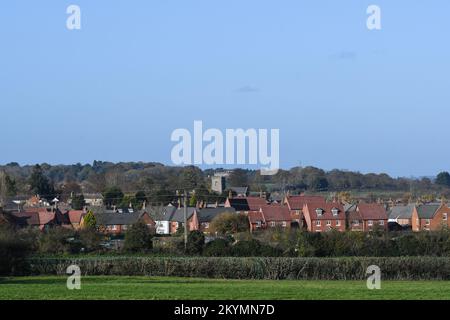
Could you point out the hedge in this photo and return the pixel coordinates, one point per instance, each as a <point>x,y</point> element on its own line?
<point>346,268</point>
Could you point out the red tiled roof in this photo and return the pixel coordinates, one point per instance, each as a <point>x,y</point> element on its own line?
<point>255,216</point>
<point>45,217</point>
<point>254,203</point>
<point>276,213</point>
<point>75,215</point>
<point>326,207</point>
<point>26,218</point>
<point>297,202</point>
<point>372,211</point>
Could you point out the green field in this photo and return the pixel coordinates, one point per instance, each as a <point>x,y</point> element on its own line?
<point>103,287</point>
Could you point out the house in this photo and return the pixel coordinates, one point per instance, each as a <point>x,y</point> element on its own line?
<point>240,191</point>
<point>295,205</point>
<point>245,204</point>
<point>430,217</point>
<point>276,216</point>
<point>203,217</point>
<point>116,224</point>
<point>40,218</point>
<point>169,218</point>
<point>401,214</point>
<point>93,199</point>
<point>256,220</point>
<point>322,216</point>
<point>75,218</point>
<point>367,216</point>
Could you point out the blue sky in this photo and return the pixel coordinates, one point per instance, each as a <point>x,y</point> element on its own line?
<point>342,96</point>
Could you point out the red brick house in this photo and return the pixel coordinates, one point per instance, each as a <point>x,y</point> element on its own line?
<point>245,204</point>
<point>367,216</point>
<point>430,217</point>
<point>114,223</point>
<point>256,220</point>
<point>295,205</point>
<point>276,216</point>
<point>323,216</point>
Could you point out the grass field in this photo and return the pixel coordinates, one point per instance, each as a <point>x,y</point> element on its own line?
<point>102,287</point>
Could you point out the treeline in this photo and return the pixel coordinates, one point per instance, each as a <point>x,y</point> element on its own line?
<point>154,177</point>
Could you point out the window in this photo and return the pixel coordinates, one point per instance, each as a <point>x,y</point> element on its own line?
<point>328,222</point>
<point>444,216</point>
<point>258,223</point>
<point>381,222</point>
<point>297,212</point>
<point>319,211</point>
<point>370,223</point>
<point>355,222</point>
<point>272,223</point>
<point>284,224</point>
<point>338,223</point>
<point>113,227</point>
<point>427,222</point>
<point>318,224</point>
<point>335,211</point>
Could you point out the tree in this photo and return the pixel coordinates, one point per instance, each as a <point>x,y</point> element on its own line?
<point>89,221</point>
<point>40,184</point>
<point>195,243</point>
<point>138,238</point>
<point>140,198</point>
<point>238,178</point>
<point>226,223</point>
<point>78,202</point>
<point>7,187</point>
<point>113,196</point>
<point>443,179</point>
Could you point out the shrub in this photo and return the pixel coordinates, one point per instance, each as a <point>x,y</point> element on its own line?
<point>217,248</point>
<point>13,253</point>
<point>138,238</point>
<point>195,242</point>
<point>58,240</point>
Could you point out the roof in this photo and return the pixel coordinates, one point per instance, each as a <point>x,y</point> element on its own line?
<point>297,202</point>
<point>161,213</point>
<point>75,216</point>
<point>25,218</point>
<point>178,215</point>
<point>401,212</point>
<point>208,214</point>
<point>247,203</point>
<point>327,210</point>
<point>106,219</point>
<point>276,213</point>
<point>255,216</point>
<point>427,211</point>
<point>372,211</point>
<point>239,190</point>
<point>349,207</point>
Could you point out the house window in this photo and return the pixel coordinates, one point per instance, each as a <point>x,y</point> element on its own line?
<point>114,227</point>
<point>318,224</point>
<point>284,224</point>
<point>258,224</point>
<point>335,211</point>
<point>338,223</point>
<point>427,222</point>
<point>381,222</point>
<point>370,223</point>
<point>297,212</point>
<point>272,223</point>
<point>444,216</point>
<point>355,222</point>
<point>319,212</point>
<point>328,222</point>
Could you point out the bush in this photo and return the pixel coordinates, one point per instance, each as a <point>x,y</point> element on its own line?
<point>58,240</point>
<point>13,253</point>
<point>350,268</point>
<point>195,242</point>
<point>138,238</point>
<point>217,248</point>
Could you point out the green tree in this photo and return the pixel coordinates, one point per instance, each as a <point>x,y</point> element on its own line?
<point>140,198</point>
<point>112,196</point>
<point>195,243</point>
<point>78,202</point>
<point>40,184</point>
<point>89,221</point>
<point>227,223</point>
<point>443,179</point>
<point>238,178</point>
<point>138,238</point>
<point>7,187</point>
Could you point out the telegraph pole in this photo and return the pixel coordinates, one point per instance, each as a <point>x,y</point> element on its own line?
<point>185,219</point>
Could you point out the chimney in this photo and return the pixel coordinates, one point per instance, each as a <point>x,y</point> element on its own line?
<point>144,204</point>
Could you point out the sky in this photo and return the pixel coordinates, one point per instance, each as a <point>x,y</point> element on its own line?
<point>342,96</point>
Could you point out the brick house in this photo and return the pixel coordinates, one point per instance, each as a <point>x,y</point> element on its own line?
<point>39,218</point>
<point>295,205</point>
<point>402,214</point>
<point>245,204</point>
<point>323,216</point>
<point>75,218</point>
<point>113,223</point>
<point>276,216</point>
<point>256,220</point>
<point>430,217</point>
<point>202,218</point>
<point>367,216</point>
